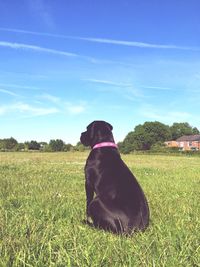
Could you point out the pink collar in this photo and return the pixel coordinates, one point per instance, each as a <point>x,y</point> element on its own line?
<point>105,144</point>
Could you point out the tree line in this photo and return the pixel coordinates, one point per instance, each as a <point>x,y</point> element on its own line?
<point>152,135</point>
<point>55,145</point>
<point>147,136</point>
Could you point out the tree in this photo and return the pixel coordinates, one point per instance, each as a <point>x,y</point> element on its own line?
<point>2,145</point>
<point>8,144</point>
<point>146,135</point>
<point>68,147</point>
<point>123,148</point>
<point>128,144</point>
<point>80,147</point>
<point>56,145</point>
<point>182,128</point>
<point>20,147</point>
<point>33,145</point>
<point>195,130</point>
<point>44,146</point>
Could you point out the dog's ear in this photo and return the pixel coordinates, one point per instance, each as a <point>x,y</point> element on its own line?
<point>109,126</point>
<point>91,130</point>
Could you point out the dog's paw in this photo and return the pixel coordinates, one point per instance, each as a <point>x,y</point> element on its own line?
<point>88,221</point>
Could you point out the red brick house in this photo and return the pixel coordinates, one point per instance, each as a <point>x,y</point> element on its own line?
<point>171,143</point>
<point>186,142</point>
<point>189,142</point>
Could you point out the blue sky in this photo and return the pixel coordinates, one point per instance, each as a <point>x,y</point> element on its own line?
<point>66,63</point>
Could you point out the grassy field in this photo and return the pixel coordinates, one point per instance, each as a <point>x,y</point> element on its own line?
<point>42,205</point>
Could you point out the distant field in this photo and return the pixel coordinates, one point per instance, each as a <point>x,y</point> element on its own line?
<point>42,205</point>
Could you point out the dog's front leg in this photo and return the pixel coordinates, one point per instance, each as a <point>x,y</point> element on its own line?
<point>89,197</point>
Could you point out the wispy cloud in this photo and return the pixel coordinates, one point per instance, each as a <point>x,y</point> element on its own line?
<point>36,48</point>
<point>48,105</point>
<point>12,75</point>
<point>127,90</point>
<point>8,92</point>
<point>50,98</point>
<point>34,111</point>
<point>19,86</point>
<point>153,113</point>
<point>106,41</point>
<point>27,110</point>
<point>107,82</point>
<point>3,110</point>
<point>158,88</point>
<point>75,109</point>
<point>65,107</point>
<point>34,33</point>
<point>133,43</point>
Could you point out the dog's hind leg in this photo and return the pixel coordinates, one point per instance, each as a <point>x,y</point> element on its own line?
<point>103,218</point>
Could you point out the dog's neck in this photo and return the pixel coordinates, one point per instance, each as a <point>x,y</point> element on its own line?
<point>105,144</point>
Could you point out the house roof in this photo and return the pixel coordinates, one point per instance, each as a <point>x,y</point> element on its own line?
<point>195,137</point>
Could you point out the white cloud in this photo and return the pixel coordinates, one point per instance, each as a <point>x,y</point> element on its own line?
<point>106,41</point>
<point>21,76</point>
<point>19,86</point>
<point>107,82</point>
<point>158,88</point>
<point>36,48</point>
<point>150,112</point>
<point>34,33</point>
<point>75,109</point>
<point>127,90</point>
<point>27,110</point>
<point>68,107</point>
<point>3,110</point>
<point>34,111</point>
<point>182,116</point>
<point>8,92</point>
<point>134,44</point>
<point>51,98</point>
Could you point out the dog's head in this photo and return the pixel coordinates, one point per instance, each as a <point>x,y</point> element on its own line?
<point>97,132</point>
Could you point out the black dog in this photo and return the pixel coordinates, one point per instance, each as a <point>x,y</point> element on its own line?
<point>120,205</point>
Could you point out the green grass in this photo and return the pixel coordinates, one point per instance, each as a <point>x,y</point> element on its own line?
<point>42,205</point>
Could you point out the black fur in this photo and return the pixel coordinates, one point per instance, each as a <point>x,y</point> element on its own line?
<point>119,205</point>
